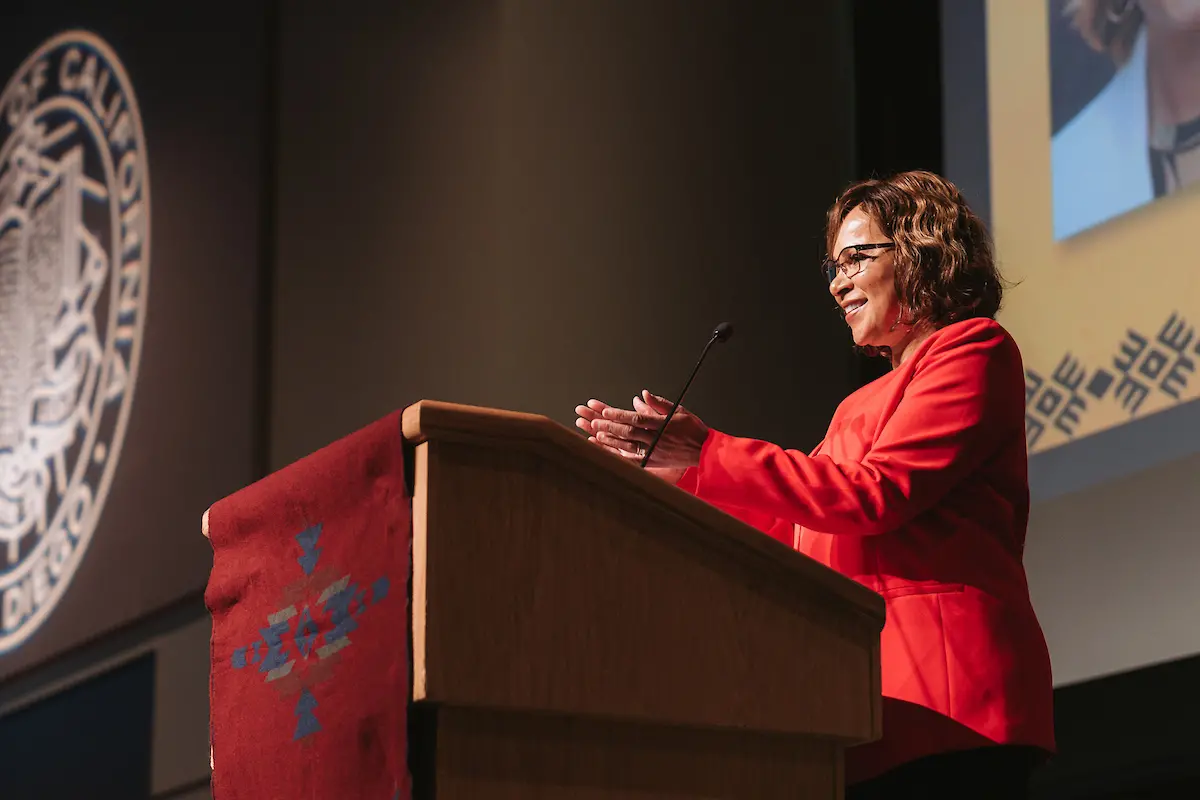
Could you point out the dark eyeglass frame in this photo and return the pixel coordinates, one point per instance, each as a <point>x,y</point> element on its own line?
<point>830,268</point>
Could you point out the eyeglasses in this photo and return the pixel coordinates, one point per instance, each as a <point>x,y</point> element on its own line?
<point>856,263</point>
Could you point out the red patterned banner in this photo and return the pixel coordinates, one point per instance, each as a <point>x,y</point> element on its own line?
<point>309,600</point>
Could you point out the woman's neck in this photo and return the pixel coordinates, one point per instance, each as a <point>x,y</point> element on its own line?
<point>1172,64</point>
<point>905,348</point>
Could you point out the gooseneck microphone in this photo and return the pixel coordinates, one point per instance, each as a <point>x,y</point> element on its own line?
<point>720,334</point>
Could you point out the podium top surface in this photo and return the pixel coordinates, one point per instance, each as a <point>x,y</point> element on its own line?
<point>433,420</point>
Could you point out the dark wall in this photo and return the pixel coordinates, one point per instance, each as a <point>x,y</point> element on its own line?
<point>200,82</point>
<point>898,91</point>
<point>897,98</point>
<point>92,740</point>
<point>1127,735</point>
<point>525,204</point>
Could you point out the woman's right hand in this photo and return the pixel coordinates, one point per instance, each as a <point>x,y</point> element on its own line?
<point>593,410</point>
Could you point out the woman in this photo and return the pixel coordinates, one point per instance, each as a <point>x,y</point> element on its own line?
<point>919,490</point>
<point>1139,138</point>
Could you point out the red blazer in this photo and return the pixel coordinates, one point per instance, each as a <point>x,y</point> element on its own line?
<point>920,491</point>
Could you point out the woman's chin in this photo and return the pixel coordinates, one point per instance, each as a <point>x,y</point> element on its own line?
<point>861,336</point>
<point>867,340</point>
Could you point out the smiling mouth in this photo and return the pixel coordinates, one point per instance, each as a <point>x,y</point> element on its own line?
<point>853,308</point>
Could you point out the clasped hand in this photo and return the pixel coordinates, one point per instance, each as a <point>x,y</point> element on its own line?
<point>628,433</point>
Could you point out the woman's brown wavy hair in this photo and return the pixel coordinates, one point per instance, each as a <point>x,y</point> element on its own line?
<point>944,259</point>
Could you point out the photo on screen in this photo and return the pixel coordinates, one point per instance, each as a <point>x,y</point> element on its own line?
<point>1125,109</point>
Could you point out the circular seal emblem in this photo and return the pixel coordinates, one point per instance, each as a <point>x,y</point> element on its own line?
<point>74,269</point>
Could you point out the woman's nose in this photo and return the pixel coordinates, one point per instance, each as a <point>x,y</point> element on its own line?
<point>839,284</point>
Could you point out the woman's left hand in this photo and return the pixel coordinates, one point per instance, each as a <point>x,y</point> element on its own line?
<point>628,433</point>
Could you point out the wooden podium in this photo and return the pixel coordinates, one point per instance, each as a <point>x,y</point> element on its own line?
<point>581,629</point>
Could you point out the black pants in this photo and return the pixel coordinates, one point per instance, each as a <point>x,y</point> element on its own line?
<point>987,773</point>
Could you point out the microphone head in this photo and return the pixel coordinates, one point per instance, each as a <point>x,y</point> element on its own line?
<point>722,332</point>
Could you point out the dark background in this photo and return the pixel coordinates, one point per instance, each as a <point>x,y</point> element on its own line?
<point>521,204</point>
<point>528,204</point>
<point>90,741</point>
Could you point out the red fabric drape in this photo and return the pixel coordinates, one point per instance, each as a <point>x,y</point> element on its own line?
<point>309,681</point>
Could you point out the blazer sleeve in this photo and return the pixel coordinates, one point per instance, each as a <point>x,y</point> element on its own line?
<point>957,410</point>
<point>769,524</point>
